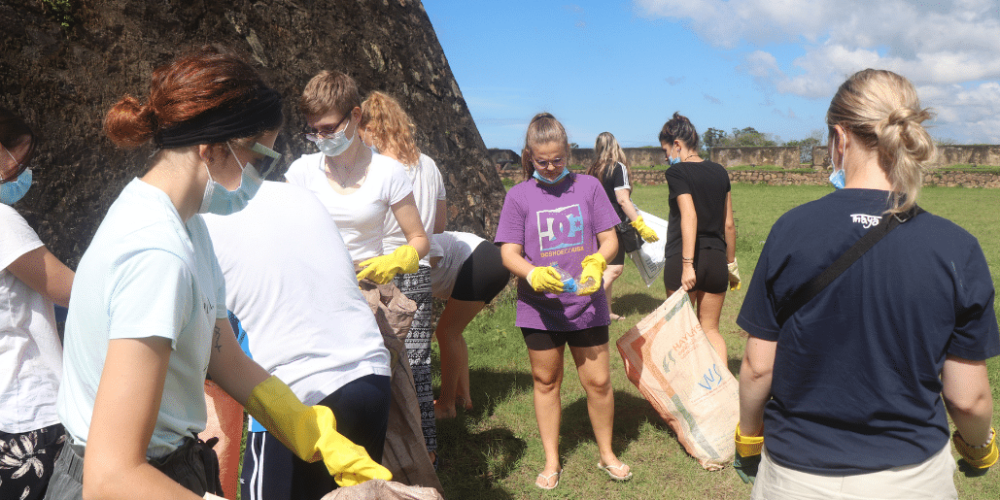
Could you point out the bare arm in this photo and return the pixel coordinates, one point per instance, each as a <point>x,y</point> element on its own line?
<point>512,256</point>
<point>607,242</point>
<point>755,384</point>
<point>624,197</point>
<point>45,274</point>
<point>408,216</point>
<point>689,235</point>
<point>230,367</point>
<point>968,398</point>
<point>730,230</point>
<point>441,217</point>
<point>125,411</point>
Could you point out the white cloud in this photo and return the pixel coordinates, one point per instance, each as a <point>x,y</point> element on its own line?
<point>940,46</point>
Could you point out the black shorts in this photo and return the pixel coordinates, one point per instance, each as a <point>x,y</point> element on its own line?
<point>482,276</point>
<point>543,340</point>
<point>710,268</point>
<point>619,259</point>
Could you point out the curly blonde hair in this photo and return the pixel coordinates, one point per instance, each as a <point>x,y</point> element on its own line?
<point>389,128</point>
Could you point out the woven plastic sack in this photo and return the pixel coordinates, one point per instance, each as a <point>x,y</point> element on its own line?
<point>649,258</point>
<point>669,358</point>
<point>383,490</point>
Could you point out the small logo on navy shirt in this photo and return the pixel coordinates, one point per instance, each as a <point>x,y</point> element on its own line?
<point>866,220</point>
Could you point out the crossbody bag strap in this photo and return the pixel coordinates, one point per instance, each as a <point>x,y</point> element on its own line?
<point>810,290</point>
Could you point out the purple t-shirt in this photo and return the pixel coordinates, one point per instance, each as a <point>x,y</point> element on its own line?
<point>557,224</point>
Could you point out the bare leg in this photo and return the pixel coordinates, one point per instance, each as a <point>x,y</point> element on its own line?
<point>611,274</point>
<point>547,373</point>
<point>709,307</point>
<point>593,366</point>
<point>456,316</point>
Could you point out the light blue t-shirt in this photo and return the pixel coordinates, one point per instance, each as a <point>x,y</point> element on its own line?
<point>145,274</point>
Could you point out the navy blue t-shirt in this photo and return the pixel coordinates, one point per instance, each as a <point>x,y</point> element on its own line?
<point>856,384</point>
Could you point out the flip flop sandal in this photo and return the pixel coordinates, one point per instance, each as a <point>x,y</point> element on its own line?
<point>607,468</point>
<point>545,478</point>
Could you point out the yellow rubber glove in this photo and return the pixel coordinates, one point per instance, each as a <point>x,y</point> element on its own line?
<point>310,433</point>
<point>748,446</point>
<point>645,231</point>
<point>383,269</point>
<point>545,279</point>
<point>734,275</point>
<point>982,457</point>
<point>593,270</point>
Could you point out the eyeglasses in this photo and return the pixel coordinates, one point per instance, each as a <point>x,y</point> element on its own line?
<point>326,132</point>
<point>268,160</point>
<point>15,170</point>
<point>558,162</point>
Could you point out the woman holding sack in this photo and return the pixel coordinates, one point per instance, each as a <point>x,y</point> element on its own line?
<point>848,389</point>
<point>611,169</point>
<point>31,280</point>
<point>701,235</point>
<point>148,321</point>
<point>557,221</point>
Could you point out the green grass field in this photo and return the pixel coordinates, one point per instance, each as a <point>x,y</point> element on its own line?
<point>493,451</point>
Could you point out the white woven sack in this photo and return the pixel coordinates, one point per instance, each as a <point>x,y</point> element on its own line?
<point>669,358</point>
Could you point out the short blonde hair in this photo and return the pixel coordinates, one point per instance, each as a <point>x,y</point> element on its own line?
<point>882,109</point>
<point>329,91</point>
<point>543,129</point>
<point>389,127</point>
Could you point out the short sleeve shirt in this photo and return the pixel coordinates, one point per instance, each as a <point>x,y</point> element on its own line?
<point>456,248</point>
<point>856,384</point>
<point>707,183</point>
<point>30,352</point>
<point>146,274</point>
<point>616,179</point>
<point>557,224</point>
<point>428,189</point>
<point>360,216</point>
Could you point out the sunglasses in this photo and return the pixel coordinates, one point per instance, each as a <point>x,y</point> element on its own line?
<point>558,162</point>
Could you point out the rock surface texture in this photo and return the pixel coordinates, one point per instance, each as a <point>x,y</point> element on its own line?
<point>62,70</point>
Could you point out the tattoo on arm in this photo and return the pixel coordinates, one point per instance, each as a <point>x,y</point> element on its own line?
<point>217,338</point>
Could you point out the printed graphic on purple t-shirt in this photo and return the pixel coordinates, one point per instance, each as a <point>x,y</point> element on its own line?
<point>557,225</point>
<point>560,230</point>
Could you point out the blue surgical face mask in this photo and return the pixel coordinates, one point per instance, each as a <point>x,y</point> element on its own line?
<point>837,178</point>
<point>221,201</point>
<point>336,144</point>
<point>11,192</point>
<point>546,180</point>
<point>674,160</point>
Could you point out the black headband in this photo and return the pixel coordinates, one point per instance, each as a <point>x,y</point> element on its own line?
<point>261,113</point>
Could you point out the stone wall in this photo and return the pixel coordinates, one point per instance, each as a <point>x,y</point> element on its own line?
<point>731,157</point>
<point>778,178</point>
<point>634,156</point>
<point>967,155</point>
<point>63,81</point>
<point>505,159</point>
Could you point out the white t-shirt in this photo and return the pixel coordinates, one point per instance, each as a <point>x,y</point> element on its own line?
<point>360,216</point>
<point>456,247</point>
<point>291,282</point>
<point>30,353</point>
<point>428,189</point>
<point>145,274</point>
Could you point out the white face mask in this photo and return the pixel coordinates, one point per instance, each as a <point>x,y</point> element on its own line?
<point>221,201</point>
<point>335,145</point>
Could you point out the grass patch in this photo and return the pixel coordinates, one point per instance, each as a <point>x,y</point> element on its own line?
<point>494,452</point>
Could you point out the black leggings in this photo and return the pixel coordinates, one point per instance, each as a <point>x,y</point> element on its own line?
<point>482,276</point>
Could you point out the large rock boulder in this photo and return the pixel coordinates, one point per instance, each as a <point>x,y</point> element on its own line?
<point>63,69</point>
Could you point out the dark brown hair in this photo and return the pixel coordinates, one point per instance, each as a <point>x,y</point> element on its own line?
<point>329,91</point>
<point>204,80</point>
<point>679,127</point>
<point>13,133</point>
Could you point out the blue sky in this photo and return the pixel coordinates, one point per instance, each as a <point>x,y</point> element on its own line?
<point>625,66</point>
